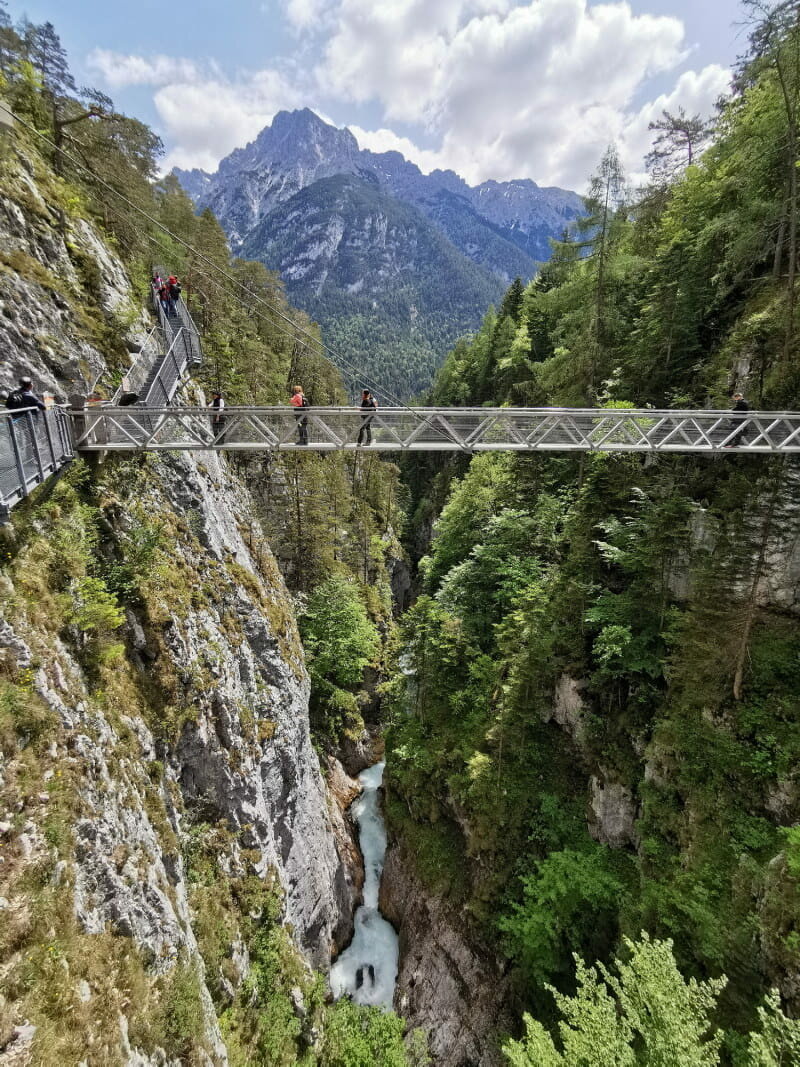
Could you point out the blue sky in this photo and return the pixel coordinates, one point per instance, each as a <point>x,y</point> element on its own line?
<point>491,88</point>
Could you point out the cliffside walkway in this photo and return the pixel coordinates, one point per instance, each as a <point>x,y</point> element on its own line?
<point>439,430</point>
<point>34,445</point>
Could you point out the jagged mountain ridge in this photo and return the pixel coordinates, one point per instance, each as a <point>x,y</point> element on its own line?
<point>453,249</point>
<point>300,148</point>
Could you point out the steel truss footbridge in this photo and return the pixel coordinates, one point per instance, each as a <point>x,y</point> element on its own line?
<point>146,415</point>
<point>406,429</point>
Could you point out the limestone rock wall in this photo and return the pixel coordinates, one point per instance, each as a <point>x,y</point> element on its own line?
<point>195,723</point>
<point>242,758</point>
<point>447,985</point>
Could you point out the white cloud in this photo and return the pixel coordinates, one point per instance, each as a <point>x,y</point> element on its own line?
<point>384,140</point>
<point>505,88</point>
<point>207,120</point>
<point>120,71</point>
<point>303,14</point>
<point>534,89</point>
<point>204,115</point>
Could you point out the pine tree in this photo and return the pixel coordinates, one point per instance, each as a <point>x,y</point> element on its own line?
<point>680,139</point>
<point>605,203</point>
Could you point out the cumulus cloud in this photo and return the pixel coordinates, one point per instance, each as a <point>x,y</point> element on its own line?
<point>121,71</point>
<point>533,89</point>
<point>384,140</point>
<point>504,88</point>
<point>203,114</point>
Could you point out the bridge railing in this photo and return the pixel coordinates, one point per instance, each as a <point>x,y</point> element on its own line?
<point>442,429</point>
<point>33,445</point>
<point>141,368</point>
<point>166,376</point>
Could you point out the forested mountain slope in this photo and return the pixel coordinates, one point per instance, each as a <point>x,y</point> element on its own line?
<point>453,246</point>
<point>392,290</point>
<point>597,729</point>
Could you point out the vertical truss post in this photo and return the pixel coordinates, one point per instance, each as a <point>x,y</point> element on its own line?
<point>35,442</point>
<point>17,456</point>
<point>49,435</point>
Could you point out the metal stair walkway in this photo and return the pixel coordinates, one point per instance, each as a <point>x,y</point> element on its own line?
<point>34,445</point>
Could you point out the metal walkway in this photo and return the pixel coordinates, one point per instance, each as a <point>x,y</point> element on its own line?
<point>34,444</point>
<point>439,429</point>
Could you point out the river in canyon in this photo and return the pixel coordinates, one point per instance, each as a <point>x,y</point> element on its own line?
<point>367,969</point>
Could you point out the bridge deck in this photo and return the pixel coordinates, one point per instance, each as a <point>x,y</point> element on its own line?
<point>438,429</point>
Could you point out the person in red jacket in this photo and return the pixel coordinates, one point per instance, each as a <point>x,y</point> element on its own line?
<point>299,403</point>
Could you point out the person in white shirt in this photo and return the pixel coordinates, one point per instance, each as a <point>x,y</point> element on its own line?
<point>218,418</point>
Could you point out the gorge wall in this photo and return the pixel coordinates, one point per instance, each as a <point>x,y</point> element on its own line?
<point>166,830</point>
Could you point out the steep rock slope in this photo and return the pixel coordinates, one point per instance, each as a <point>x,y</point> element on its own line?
<point>66,307</point>
<point>494,232</point>
<point>167,836</point>
<point>447,983</point>
<point>299,148</point>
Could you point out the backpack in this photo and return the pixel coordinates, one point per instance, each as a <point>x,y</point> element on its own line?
<point>17,400</point>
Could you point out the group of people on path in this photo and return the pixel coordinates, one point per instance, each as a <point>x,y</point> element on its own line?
<point>299,401</point>
<point>168,292</point>
<point>369,405</point>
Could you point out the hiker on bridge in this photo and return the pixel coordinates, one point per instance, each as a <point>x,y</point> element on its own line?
<point>299,403</point>
<point>739,405</point>
<point>369,405</point>
<point>174,287</point>
<point>27,406</point>
<point>218,418</point>
<point>23,397</point>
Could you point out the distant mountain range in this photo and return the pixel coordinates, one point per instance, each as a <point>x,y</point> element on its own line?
<point>394,264</point>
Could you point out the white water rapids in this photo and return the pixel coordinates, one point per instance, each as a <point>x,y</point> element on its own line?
<point>367,969</point>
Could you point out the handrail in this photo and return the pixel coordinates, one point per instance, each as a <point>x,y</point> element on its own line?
<point>33,445</point>
<point>139,369</point>
<point>163,383</point>
<point>437,429</point>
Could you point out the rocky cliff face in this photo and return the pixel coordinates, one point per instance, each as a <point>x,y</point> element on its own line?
<point>446,984</point>
<point>299,149</point>
<point>66,307</point>
<point>395,281</point>
<point>221,752</point>
<point>378,273</point>
<point>161,804</point>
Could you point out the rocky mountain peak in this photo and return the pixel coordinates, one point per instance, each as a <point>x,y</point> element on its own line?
<point>366,238</point>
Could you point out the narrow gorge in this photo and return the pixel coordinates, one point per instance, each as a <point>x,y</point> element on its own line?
<point>465,758</point>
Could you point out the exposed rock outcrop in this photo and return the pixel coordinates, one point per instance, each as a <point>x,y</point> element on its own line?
<point>242,759</point>
<point>612,812</point>
<point>446,985</point>
<point>161,804</point>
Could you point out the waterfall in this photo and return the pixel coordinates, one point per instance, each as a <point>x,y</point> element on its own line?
<point>367,969</point>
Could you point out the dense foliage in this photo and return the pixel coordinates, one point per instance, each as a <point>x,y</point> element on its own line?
<point>596,728</point>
